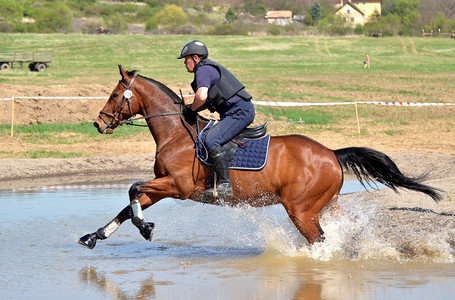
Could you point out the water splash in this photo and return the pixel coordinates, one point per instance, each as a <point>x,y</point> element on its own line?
<point>361,230</point>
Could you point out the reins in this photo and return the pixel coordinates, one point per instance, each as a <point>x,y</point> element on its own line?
<point>130,120</point>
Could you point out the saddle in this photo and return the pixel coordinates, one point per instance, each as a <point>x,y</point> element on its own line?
<point>247,150</point>
<point>252,133</point>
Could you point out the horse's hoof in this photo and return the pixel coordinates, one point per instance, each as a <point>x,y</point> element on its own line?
<point>146,230</point>
<point>88,240</point>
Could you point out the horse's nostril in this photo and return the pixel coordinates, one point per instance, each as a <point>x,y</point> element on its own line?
<point>96,125</point>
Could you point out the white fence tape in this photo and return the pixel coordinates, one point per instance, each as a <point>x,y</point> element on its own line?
<point>294,104</point>
<point>393,103</point>
<point>271,103</point>
<point>61,98</point>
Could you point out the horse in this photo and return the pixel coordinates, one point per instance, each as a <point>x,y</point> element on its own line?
<point>301,174</point>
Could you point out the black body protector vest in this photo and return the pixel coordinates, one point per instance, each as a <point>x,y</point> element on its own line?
<point>226,88</point>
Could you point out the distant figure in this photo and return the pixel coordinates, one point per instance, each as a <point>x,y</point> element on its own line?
<point>102,30</point>
<point>367,62</point>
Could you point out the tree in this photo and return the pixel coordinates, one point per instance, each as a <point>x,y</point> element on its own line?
<point>440,22</point>
<point>387,25</point>
<point>407,9</point>
<point>387,7</point>
<point>11,14</point>
<point>230,15</point>
<point>255,7</point>
<point>316,12</point>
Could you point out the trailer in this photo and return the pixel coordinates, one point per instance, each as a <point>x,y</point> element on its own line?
<point>36,61</point>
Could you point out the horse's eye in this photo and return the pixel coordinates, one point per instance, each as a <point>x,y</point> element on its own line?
<point>114,95</point>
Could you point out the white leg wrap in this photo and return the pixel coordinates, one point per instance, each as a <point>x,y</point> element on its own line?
<point>111,227</point>
<point>137,210</point>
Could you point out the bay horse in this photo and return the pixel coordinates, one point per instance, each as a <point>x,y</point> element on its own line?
<point>301,174</point>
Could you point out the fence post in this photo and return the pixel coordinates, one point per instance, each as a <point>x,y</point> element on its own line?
<point>357,116</point>
<point>12,116</point>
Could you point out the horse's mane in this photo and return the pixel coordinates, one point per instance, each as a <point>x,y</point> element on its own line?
<point>160,85</point>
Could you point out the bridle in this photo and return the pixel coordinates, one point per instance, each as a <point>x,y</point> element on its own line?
<point>116,116</point>
<point>117,119</point>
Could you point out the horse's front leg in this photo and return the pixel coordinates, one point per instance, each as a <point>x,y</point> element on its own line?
<point>104,232</point>
<point>142,195</point>
<point>138,202</point>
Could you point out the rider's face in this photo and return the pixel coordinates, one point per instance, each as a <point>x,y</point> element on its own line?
<point>190,62</point>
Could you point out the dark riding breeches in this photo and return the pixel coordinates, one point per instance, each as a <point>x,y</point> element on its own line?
<point>232,123</point>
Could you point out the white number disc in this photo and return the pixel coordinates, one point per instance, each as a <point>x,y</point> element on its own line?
<point>128,94</point>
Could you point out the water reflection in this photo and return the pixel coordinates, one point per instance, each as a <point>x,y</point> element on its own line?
<point>254,284</point>
<point>92,278</point>
<point>271,277</point>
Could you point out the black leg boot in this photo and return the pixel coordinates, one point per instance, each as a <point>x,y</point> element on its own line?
<point>221,168</point>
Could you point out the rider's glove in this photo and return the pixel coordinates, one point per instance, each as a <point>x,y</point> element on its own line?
<point>189,115</point>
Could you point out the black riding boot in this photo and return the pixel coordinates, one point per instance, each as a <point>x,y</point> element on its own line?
<point>221,168</point>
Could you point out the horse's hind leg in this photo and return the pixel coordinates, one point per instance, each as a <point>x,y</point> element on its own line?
<point>305,213</point>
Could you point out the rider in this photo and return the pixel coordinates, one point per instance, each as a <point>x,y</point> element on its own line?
<point>216,89</point>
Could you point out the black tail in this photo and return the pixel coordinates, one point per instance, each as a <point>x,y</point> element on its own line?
<point>371,165</point>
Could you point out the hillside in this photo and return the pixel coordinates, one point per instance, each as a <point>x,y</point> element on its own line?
<point>235,17</point>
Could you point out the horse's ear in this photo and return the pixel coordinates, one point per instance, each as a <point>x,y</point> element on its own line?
<point>123,72</point>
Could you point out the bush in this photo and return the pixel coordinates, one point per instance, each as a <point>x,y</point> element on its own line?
<point>169,18</point>
<point>118,24</point>
<point>334,25</point>
<point>92,10</point>
<point>273,30</point>
<point>91,26</point>
<point>145,14</point>
<point>359,29</point>
<point>56,17</point>
<point>229,29</point>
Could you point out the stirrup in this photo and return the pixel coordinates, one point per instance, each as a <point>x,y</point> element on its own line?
<point>223,189</point>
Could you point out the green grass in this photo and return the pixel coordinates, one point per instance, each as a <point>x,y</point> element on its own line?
<point>43,154</point>
<point>263,63</point>
<point>273,68</point>
<point>85,129</point>
<point>62,134</point>
<point>308,116</point>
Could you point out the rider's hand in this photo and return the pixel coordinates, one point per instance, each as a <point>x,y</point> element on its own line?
<point>189,115</point>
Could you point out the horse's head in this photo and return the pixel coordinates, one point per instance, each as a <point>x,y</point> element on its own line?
<point>120,105</point>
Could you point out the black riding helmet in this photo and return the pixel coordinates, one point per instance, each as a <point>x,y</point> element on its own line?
<point>194,47</point>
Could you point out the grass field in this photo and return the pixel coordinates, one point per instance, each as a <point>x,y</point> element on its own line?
<point>296,69</point>
<point>278,68</point>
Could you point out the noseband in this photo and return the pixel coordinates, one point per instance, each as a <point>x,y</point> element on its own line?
<point>117,119</point>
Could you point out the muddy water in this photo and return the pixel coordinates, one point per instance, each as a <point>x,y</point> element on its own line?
<point>208,252</point>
